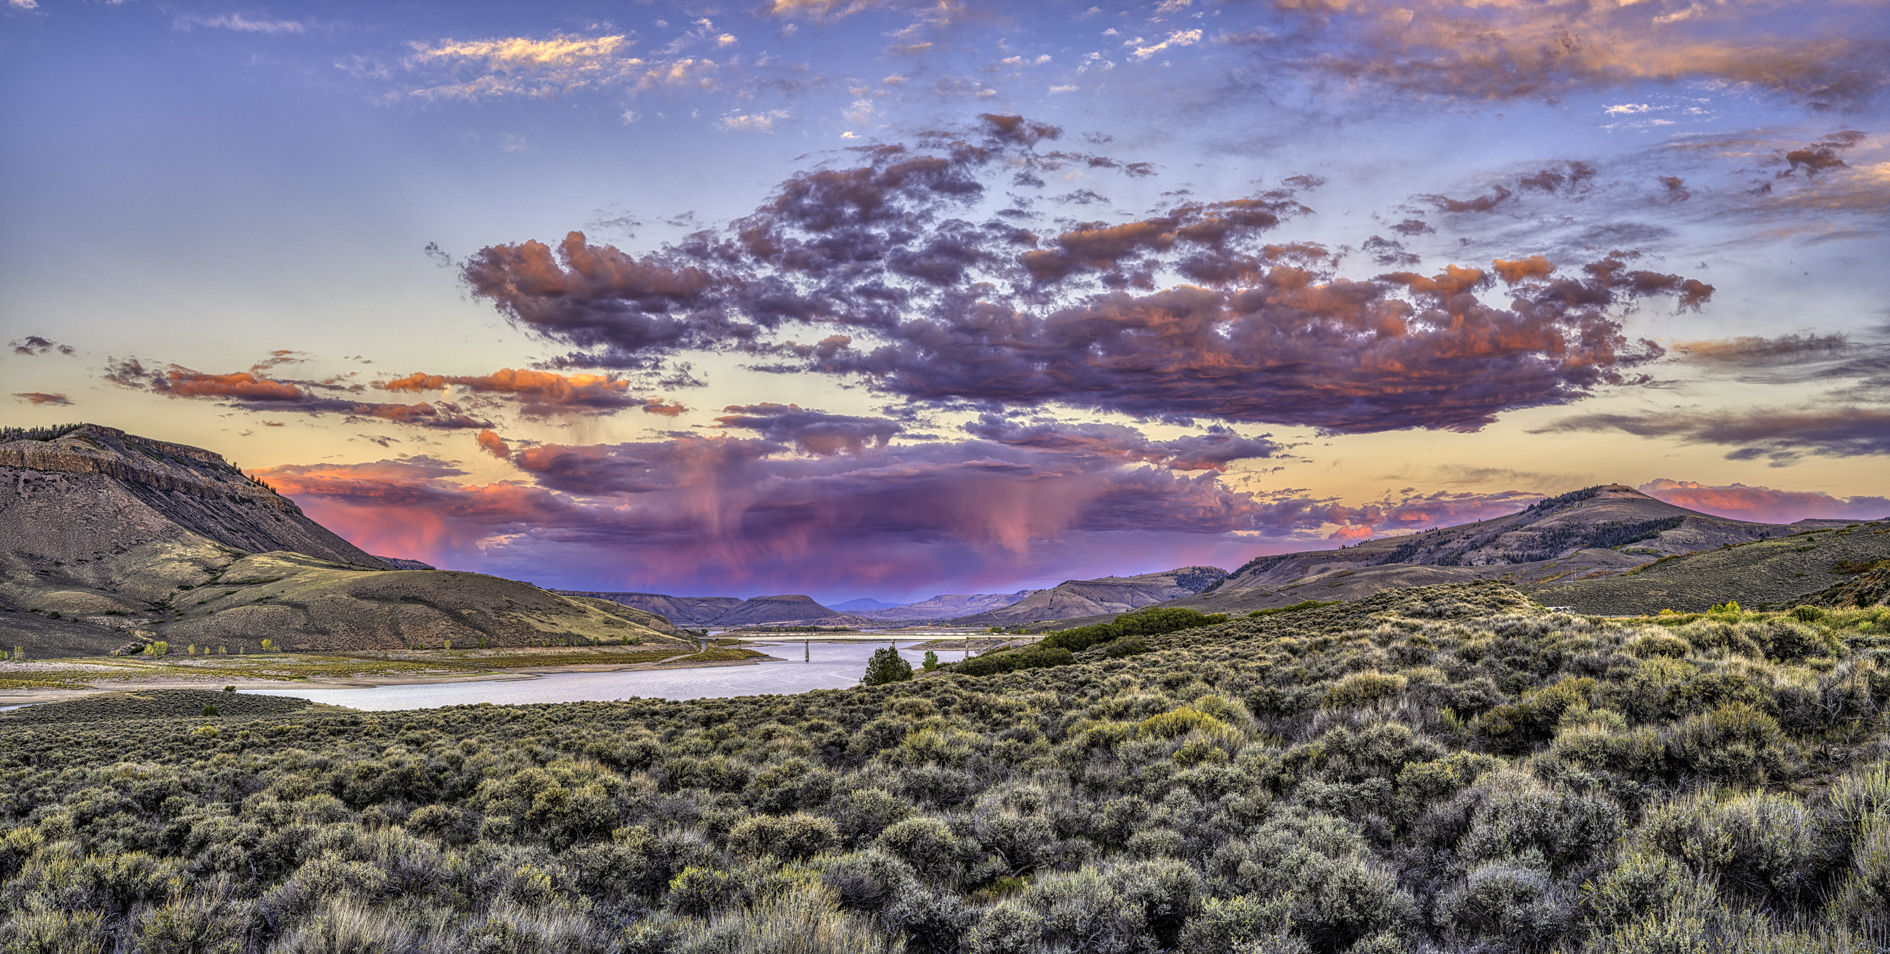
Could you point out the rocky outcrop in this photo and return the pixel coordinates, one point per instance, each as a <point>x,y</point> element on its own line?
<point>107,538</point>
<point>763,610</point>
<point>100,490</point>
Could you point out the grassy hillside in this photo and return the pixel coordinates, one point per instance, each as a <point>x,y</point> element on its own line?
<point>1784,571</point>
<point>1447,769</point>
<point>301,602</point>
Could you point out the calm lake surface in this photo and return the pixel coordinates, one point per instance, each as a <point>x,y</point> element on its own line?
<point>834,666</point>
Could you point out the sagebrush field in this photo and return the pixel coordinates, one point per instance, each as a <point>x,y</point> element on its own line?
<point>1445,769</point>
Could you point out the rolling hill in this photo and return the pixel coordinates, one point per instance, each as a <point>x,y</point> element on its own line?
<point>1588,534</point>
<point>109,540</point>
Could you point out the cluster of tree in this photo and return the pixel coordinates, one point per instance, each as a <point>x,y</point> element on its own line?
<point>1451,769</point>
<point>51,433</point>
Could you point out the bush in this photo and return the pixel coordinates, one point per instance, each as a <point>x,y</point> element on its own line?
<point>1362,689</point>
<point>1767,848</point>
<point>1038,656</point>
<point>886,666</point>
<point>788,837</point>
<point>1734,744</point>
<point>1642,882</point>
<point>1505,906</point>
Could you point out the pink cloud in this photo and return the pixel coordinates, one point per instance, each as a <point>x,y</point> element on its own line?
<point>1764,504</point>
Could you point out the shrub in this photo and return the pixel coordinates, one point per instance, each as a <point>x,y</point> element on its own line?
<point>1362,689</point>
<point>1038,656</point>
<point>1514,814</point>
<point>1532,719</point>
<point>1006,928</point>
<point>805,921</point>
<point>788,837</point>
<point>1734,744</point>
<point>928,845</point>
<point>886,666</point>
<point>1768,848</point>
<point>1649,645</point>
<point>1789,641</point>
<point>1242,924</point>
<point>1179,722</point>
<point>1639,883</point>
<point>1505,906</point>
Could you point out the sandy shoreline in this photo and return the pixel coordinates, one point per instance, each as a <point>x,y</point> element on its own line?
<point>10,698</point>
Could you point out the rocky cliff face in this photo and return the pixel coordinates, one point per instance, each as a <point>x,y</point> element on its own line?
<point>97,491</point>
<point>762,610</point>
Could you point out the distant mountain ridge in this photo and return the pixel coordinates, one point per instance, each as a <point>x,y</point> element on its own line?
<point>1112,595</point>
<point>1591,533</point>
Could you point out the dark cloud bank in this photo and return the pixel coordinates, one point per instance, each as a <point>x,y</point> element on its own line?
<point>1193,312</point>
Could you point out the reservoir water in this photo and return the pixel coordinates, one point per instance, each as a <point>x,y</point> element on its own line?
<point>833,666</point>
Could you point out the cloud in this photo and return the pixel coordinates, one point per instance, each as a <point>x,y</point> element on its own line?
<point>541,393</point>
<point>241,24</point>
<point>35,345</point>
<point>558,65</point>
<point>1531,51</point>
<point>827,9</point>
<point>1484,203</point>
<point>752,122</point>
<point>1018,500</point>
<point>1764,504</point>
<point>255,390</point>
<point>39,398</point>
<point>1782,434</point>
<point>1762,351</point>
<point>1178,38</point>
<point>492,444</point>
<point>904,291</point>
<point>811,432</point>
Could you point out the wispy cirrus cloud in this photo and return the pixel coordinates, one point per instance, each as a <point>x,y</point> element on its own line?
<point>1526,50</point>
<point>562,64</point>
<point>257,390</point>
<point>43,399</point>
<point>1782,434</point>
<point>241,23</point>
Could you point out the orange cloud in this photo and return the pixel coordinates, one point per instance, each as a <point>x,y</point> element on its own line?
<point>241,385</point>
<point>254,391</point>
<point>541,393</point>
<point>491,444</point>
<point>1535,266</point>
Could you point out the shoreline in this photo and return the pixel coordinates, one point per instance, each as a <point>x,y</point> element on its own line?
<point>116,675</point>
<point>15,698</point>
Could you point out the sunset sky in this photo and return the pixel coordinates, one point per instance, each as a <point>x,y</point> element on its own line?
<point>861,298</point>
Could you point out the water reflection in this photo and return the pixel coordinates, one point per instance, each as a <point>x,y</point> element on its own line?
<point>832,666</point>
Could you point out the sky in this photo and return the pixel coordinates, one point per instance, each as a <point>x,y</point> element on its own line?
<point>869,298</point>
